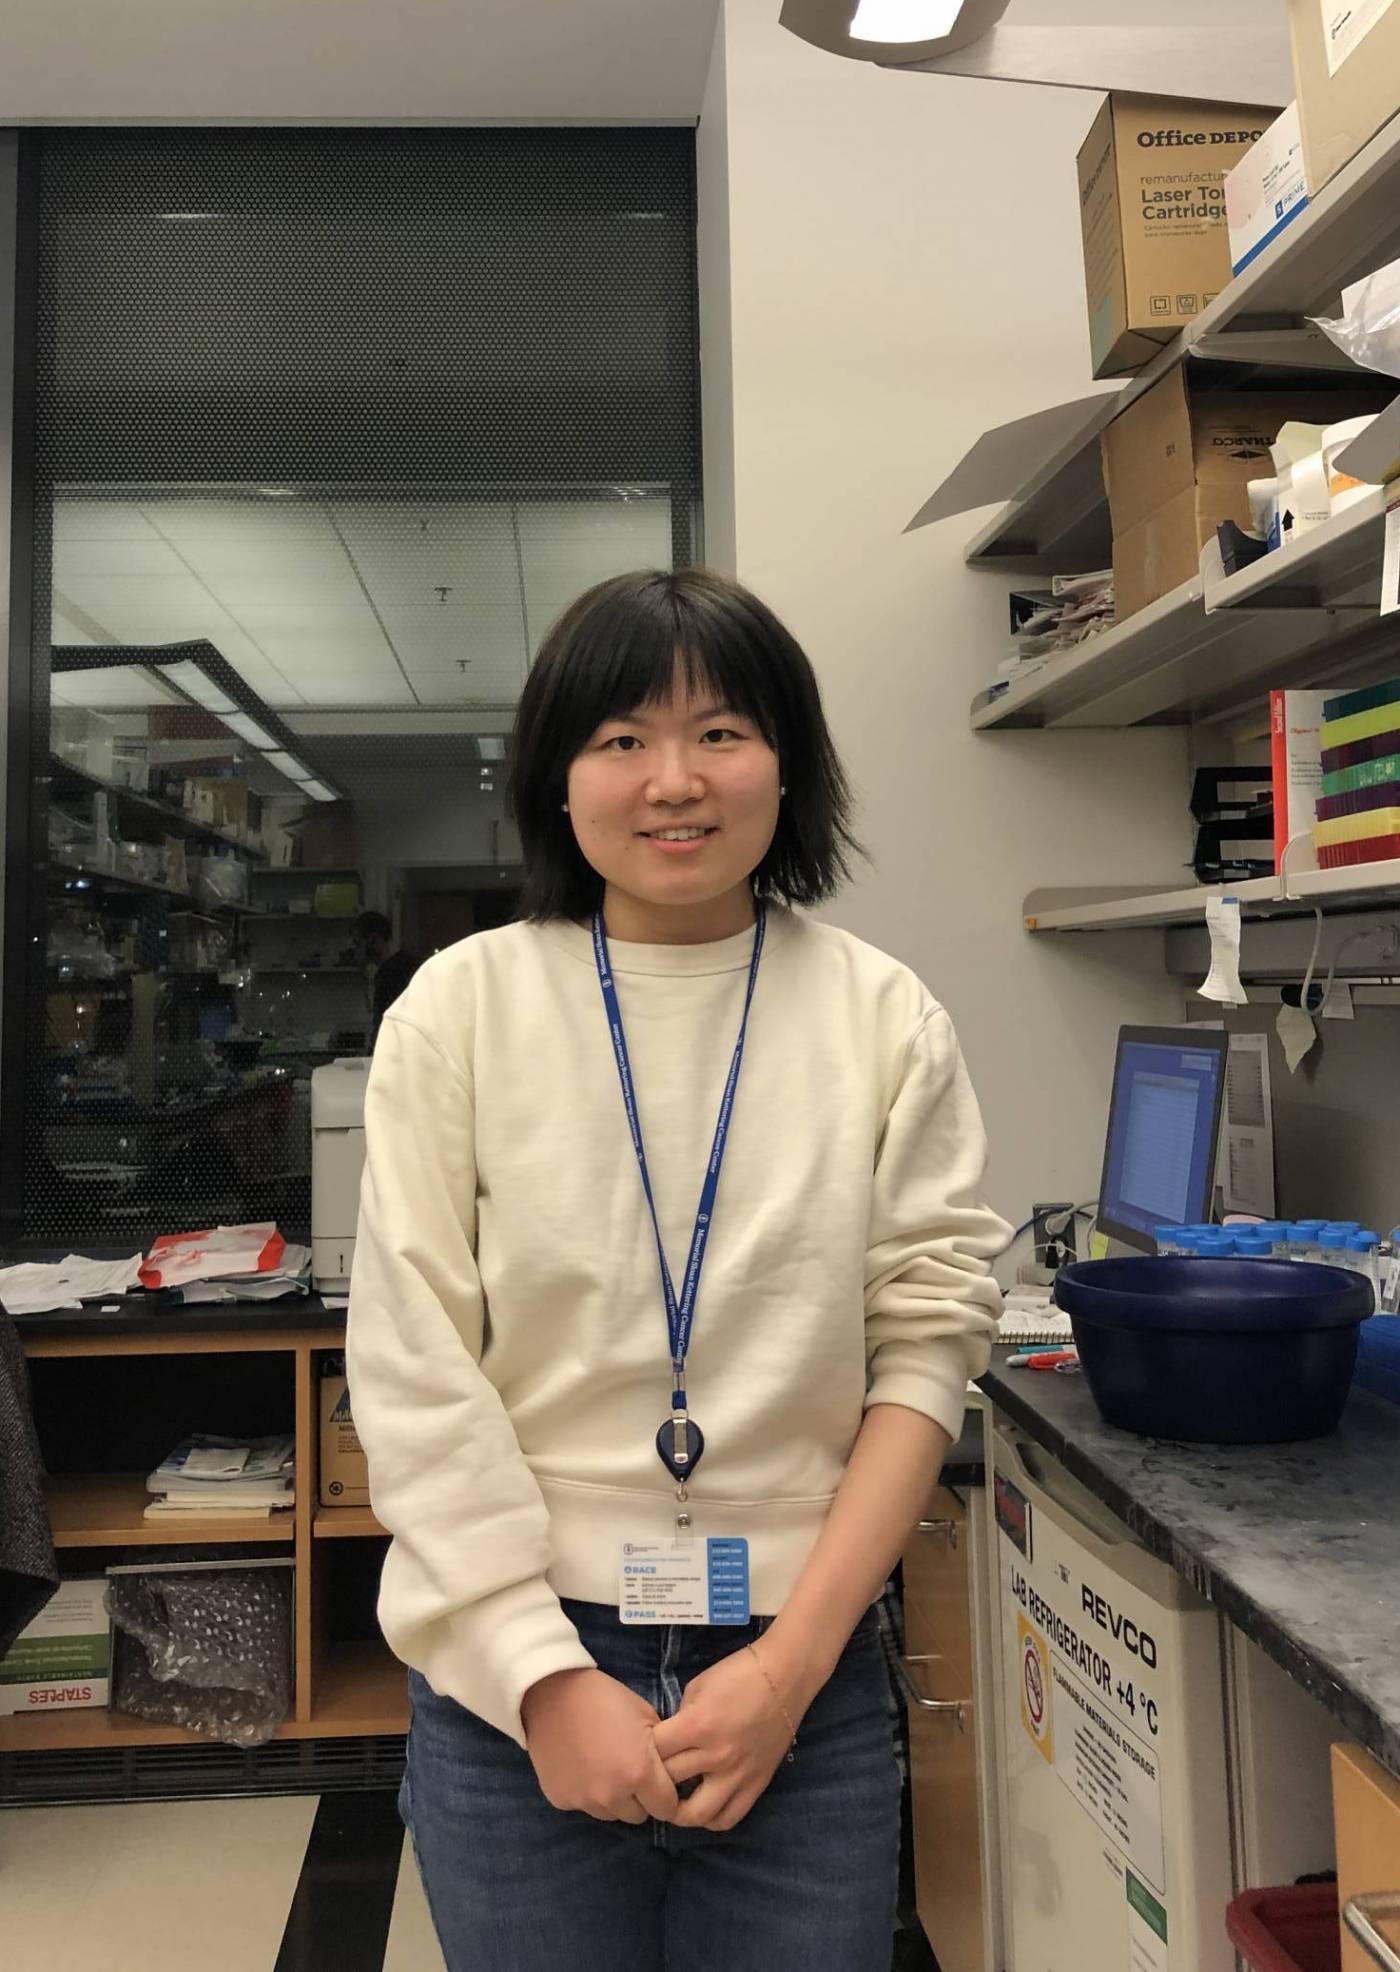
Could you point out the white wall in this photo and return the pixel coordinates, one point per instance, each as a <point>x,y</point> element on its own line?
<point>904,270</point>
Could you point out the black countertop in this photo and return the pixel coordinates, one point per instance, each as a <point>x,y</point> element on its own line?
<point>966,1463</point>
<point>144,1314</point>
<point>1299,1545</point>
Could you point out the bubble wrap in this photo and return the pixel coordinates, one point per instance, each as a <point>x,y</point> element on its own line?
<point>208,1651</point>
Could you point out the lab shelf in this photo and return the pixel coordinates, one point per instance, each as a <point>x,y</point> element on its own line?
<point>346,1523</point>
<point>107,1509</point>
<point>110,880</point>
<point>1207,649</point>
<point>66,779</point>
<point>1369,886</point>
<point>1058,519</point>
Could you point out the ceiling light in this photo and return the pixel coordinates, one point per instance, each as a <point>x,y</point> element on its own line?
<point>278,492</point>
<point>248,729</point>
<point>285,764</point>
<point>198,685</point>
<point>904,20</point>
<point>180,217</point>
<point>491,746</point>
<point>318,791</point>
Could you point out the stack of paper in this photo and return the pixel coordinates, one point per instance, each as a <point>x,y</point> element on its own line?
<point>1044,623</point>
<point>38,1287</point>
<point>243,1478</point>
<point>231,1263</point>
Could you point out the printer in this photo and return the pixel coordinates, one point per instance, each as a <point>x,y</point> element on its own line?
<point>337,1162</point>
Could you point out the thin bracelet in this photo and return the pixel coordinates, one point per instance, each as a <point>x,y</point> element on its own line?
<point>777,1697</point>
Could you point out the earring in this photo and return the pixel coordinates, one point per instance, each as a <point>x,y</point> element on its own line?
<point>781,792</point>
<point>565,806</point>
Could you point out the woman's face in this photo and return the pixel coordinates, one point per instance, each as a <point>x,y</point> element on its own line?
<point>690,764</point>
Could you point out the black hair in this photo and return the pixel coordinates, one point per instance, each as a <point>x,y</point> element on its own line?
<point>372,924</point>
<point>616,649</point>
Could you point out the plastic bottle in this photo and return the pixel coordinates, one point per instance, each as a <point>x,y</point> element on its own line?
<point>1363,1257</point>
<point>1302,1238</point>
<point>1255,1244</point>
<point>1168,1240</point>
<point>1218,1245</point>
<point>1334,1245</point>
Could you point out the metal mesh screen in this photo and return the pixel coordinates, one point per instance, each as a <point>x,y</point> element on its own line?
<point>330,426</point>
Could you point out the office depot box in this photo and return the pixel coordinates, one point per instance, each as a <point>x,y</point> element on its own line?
<point>344,1469</point>
<point>63,1660</point>
<point>1152,206</point>
<point>1178,462</point>
<point>1267,190</point>
<point>1346,67</point>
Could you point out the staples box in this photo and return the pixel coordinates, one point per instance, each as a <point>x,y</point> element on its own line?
<point>1152,206</point>
<point>1267,189</point>
<point>344,1468</point>
<point>63,1660</point>
<point>1346,68</point>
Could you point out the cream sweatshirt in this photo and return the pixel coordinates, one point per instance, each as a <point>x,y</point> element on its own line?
<point>507,1344</point>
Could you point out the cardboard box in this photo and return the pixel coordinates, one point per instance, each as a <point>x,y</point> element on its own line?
<point>1178,462</point>
<point>1346,66</point>
<point>63,1660</point>
<point>344,1469</point>
<point>327,838</point>
<point>1267,190</point>
<point>1152,206</point>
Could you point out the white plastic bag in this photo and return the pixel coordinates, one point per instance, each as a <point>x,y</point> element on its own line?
<point>1368,329</point>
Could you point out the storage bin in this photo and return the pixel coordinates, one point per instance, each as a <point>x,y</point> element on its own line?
<point>1232,1351</point>
<point>1293,1929</point>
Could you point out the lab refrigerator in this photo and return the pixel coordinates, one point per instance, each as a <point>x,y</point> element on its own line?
<point>1142,1741</point>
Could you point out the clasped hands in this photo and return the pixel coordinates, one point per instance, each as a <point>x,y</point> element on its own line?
<point>599,1748</point>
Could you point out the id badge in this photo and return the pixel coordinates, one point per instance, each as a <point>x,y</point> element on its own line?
<point>685,1581</point>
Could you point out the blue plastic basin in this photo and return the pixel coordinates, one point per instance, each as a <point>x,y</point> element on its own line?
<point>1224,1352</point>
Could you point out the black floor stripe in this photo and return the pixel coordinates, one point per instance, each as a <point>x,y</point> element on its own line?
<point>340,1915</point>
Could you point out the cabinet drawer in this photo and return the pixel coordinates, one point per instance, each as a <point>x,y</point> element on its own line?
<point>1366,1800</point>
<point>937,1611</point>
<point>947,1825</point>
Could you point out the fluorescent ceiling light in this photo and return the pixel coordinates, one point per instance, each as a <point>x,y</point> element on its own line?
<point>318,791</point>
<point>285,764</point>
<point>904,20</point>
<point>197,683</point>
<point>248,729</point>
<point>182,216</point>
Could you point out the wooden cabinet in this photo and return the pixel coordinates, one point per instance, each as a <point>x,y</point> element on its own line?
<point>344,1686</point>
<point>951,1861</point>
<point>1366,1800</point>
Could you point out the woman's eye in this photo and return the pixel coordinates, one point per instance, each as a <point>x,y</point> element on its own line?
<point>723,732</point>
<point>624,742</point>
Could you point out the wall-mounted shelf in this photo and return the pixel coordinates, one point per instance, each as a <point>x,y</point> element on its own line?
<point>1209,648</point>
<point>1366,887</point>
<point>109,879</point>
<point>1058,518</point>
<point>66,779</point>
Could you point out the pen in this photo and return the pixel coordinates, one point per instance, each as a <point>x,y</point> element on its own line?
<point>1041,1358</point>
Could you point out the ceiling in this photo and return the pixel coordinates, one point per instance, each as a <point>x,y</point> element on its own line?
<point>314,61</point>
<point>332,602</point>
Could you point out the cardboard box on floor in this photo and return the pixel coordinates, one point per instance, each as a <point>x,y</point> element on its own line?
<point>1346,65</point>
<point>344,1468</point>
<point>1152,206</point>
<point>1178,462</point>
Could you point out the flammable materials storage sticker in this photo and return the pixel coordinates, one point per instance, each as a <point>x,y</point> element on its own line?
<point>1091,1695</point>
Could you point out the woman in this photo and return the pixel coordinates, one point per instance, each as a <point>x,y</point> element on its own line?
<point>640,1513</point>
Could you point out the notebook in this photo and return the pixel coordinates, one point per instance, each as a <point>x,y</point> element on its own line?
<point>1029,1319</point>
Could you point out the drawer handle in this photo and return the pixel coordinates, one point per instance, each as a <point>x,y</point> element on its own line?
<point>1357,1914</point>
<point>947,1528</point>
<point>952,1708</point>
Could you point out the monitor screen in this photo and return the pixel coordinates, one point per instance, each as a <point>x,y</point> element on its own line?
<point>1163,1125</point>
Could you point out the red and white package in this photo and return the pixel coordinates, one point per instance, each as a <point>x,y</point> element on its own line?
<point>177,1258</point>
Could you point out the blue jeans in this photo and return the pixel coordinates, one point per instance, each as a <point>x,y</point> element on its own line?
<point>808,1879</point>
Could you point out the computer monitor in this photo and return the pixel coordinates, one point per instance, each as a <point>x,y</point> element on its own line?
<point>1163,1129</point>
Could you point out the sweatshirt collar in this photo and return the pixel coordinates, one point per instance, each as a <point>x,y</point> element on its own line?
<point>671,961</point>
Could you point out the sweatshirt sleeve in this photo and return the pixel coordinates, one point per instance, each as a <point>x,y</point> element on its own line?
<point>463,1597</point>
<point>931,1306</point>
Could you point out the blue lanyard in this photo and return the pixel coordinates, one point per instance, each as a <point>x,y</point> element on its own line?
<point>680,1315</point>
